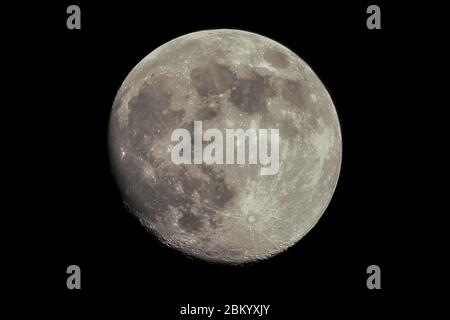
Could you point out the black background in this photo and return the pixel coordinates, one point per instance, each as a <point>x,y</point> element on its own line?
<point>76,74</point>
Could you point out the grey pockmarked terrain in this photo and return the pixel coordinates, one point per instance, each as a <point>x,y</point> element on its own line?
<point>226,79</point>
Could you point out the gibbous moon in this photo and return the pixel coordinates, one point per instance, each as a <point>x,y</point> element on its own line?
<point>226,213</point>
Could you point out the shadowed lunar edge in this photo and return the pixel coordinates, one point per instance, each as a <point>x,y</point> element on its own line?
<point>227,79</point>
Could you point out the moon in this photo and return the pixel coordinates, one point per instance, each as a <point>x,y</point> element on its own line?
<point>227,79</point>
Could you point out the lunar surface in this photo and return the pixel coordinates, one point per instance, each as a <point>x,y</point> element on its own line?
<point>227,79</point>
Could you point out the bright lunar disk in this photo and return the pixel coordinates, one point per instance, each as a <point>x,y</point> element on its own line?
<point>226,79</point>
